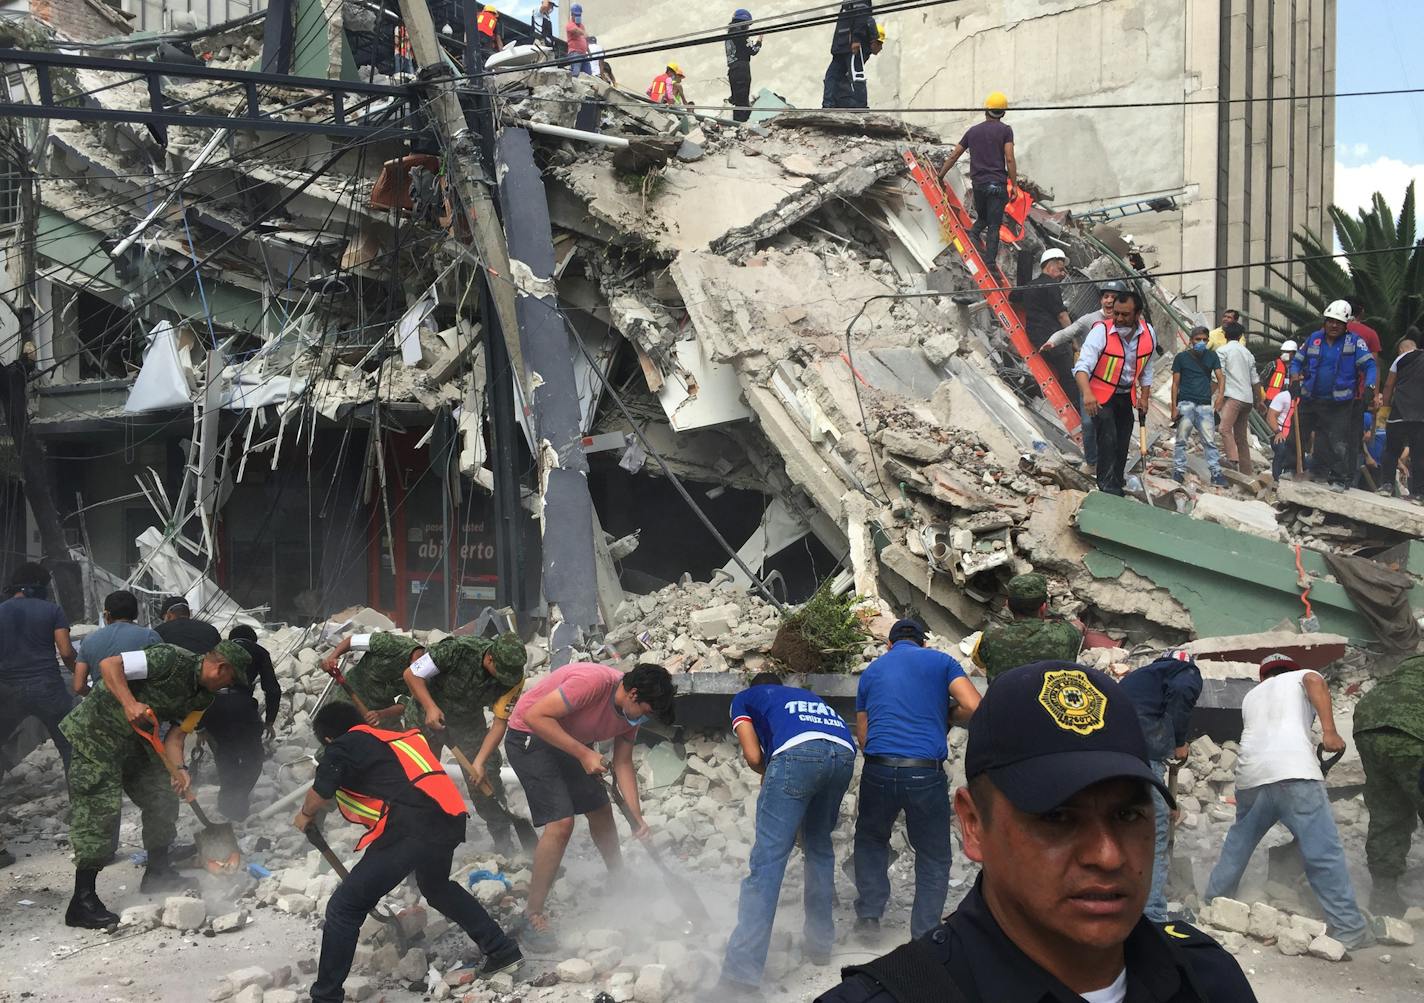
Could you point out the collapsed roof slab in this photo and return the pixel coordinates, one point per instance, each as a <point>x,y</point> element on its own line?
<point>1312,651</point>
<point>1393,514</point>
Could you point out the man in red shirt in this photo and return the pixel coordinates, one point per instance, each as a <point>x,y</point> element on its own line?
<point>1358,327</point>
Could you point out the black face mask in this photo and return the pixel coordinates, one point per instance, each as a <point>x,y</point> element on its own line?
<point>33,591</point>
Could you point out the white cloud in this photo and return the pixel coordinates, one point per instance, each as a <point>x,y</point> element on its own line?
<point>1356,186</point>
<point>1355,151</point>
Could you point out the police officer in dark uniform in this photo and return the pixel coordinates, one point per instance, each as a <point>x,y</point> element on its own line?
<point>1058,812</point>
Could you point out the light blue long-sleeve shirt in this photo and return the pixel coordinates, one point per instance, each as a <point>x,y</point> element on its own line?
<point>1097,339</point>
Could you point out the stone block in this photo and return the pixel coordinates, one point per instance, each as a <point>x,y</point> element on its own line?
<point>711,623</point>
<point>1229,914</point>
<point>183,913</point>
<point>297,905</point>
<point>413,919</point>
<point>489,892</point>
<point>413,966</point>
<point>1265,920</point>
<point>359,987</point>
<point>604,959</point>
<point>1312,928</point>
<point>654,984</point>
<point>252,994</point>
<point>229,922</point>
<point>1327,948</point>
<point>1414,915</point>
<point>385,959</point>
<point>576,970</point>
<point>1232,942</point>
<point>1393,931</point>
<point>148,915</point>
<point>1291,942</point>
<point>253,975</point>
<point>280,996</point>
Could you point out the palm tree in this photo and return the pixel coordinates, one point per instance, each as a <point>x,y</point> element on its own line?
<point>1383,269</point>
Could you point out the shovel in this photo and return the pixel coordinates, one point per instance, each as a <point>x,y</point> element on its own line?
<point>1142,445</point>
<point>528,838</point>
<point>316,839</point>
<point>682,891</point>
<point>340,679</point>
<point>216,842</point>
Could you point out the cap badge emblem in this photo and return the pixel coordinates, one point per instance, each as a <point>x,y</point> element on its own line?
<point>1072,700</point>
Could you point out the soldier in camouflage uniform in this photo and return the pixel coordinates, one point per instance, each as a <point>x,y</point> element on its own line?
<point>452,685</point>
<point>1032,636</point>
<point>176,686</point>
<point>1389,732</point>
<point>377,678</point>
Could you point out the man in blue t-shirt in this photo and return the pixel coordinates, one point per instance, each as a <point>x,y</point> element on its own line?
<point>803,750</point>
<point>120,633</point>
<point>33,631</point>
<point>902,716</point>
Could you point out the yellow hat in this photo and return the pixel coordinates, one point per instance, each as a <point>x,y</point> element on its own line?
<point>880,31</point>
<point>997,101</point>
<point>491,9</point>
<point>674,68</point>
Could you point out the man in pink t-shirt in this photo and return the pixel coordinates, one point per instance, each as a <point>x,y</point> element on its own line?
<point>549,747</point>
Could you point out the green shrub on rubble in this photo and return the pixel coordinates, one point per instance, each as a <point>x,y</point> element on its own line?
<point>824,635</point>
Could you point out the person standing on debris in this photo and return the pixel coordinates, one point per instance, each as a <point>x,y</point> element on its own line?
<point>1164,692</point>
<point>32,631</point>
<point>161,684</point>
<point>740,51</point>
<point>1237,393</point>
<point>119,634</point>
<point>1389,732</point>
<point>993,173</point>
<point>451,685</point>
<point>855,28</point>
<point>178,627</point>
<point>542,22</point>
<point>1045,313</point>
<point>804,752</point>
<point>1278,779</point>
<point>666,87</point>
<point>391,783</point>
<point>904,705</point>
<point>577,37</point>
<point>601,68</point>
<point>1217,338</point>
<point>1333,370</point>
<point>1404,406</point>
<point>1070,337</point>
<point>378,679</point>
<point>1032,636</point>
<point>550,746</point>
<point>1278,378</point>
<point>487,31</point>
<point>859,87</point>
<point>1058,814</point>
<point>234,728</point>
<point>1196,383</point>
<point>1280,417</point>
<point>1114,378</point>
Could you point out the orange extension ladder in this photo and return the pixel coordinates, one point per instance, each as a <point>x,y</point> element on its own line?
<point>955,223</point>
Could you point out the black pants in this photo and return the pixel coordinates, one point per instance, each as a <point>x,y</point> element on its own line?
<point>837,91</point>
<point>739,75</point>
<point>386,864</point>
<point>1399,436</point>
<point>1113,427</point>
<point>45,698</point>
<point>989,203</point>
<point>234,729</point>
<point>1334,426</point>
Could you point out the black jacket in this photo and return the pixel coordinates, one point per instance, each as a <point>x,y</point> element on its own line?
<point>192,635</point>
<point>855,23</point>
<point>1041,300</point>
<point>738,49</point>
<point>361,762</point>
<point>1166,963</point>
<point>260,671</point>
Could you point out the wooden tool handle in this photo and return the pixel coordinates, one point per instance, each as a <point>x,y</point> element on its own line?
<point>483,786</point>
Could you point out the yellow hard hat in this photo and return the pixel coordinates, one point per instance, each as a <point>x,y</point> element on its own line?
<point>491,9</point>
<point>674,68</point>
<point>880,31</point>
<point>997,101</point>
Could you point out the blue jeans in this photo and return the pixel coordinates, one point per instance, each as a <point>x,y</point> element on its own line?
<point>1090,439</point>
<point>802,792</point>
<point>922,793</point>
<point>1156,908</point>
<point>45,698</point>
<point>1198,418</point>
<point>1303,807</point>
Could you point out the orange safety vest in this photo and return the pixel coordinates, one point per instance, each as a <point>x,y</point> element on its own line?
<point>1288,418</point>
<point>422,768</point>
<point>486,23</point>
<point>1012,229</point>
<point>1105,376</point>
<point>1276,382</point>
<point>660,90</point>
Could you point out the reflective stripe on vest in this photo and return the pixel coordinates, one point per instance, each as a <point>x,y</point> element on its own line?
<point>486,23</point>
<point>658,89</point>
<point>422,768</point>
<point>1104,380</point>
<point>1276,382</point>
<point>1345,387</point>
<point>1289,418</point>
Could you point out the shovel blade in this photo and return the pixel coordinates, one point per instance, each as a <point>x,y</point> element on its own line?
<point>217,848</point>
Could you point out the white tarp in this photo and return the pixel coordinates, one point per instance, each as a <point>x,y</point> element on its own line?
<point>175,576</point>
<point>163,381</point>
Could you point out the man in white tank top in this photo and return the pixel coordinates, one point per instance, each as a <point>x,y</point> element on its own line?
<point>1278,779</point>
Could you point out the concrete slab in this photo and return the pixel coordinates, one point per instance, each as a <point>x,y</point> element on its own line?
<point>1393,514</point>
<point>1312,651</point>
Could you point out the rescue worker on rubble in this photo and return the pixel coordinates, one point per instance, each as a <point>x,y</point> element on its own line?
<point>993,173</point>
<point>234,728</point>
<point>161,684</point>
<point>1403,406</point>
<point>1197,381</point>
<point>1114,378</point>
<point>378,678</point>
<point>451,685</point>
<point>1332,373</point>
<point>577,37</point>
<point>850,44</point>
<point>905,703</point>
<point>392,783</point>
<point>487,31</point>
<point>542,22</point>
<point>740,51</point>
<point>1278,378</point>
<point>1164,692</point>
<point>1032,635</point>
<point>32,631</point>
<point>666,87</point>
<point>1278,779</point>
<point>178,627</point>
<point>1071,337</point>
<point>1045,313</point>
<point>859,84</point>
<point>1058,813</point>
<point>1389,732</point>
<point>804,753</point>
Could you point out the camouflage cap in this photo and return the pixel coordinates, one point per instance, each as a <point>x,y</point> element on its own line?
<point>509,658</point>
<point>236,656</point>
<point>1028,587</point>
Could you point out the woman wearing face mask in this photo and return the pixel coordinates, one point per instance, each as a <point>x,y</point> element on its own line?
<point>550,747</point>
<point>1196,380</point>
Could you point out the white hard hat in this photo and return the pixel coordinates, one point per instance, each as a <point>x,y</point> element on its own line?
<point>1339,310</point>
<point>1052,254</point>
<point>1289,346</point>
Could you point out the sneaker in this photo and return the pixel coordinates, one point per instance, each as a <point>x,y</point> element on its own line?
<point>1385,490</point>
<point>1385,899</point>
<point>821,959</point>
<point>1219,479</point>
<point>1365,938</point>
<point>1338,488</point>
<point>88,912</point>
<point>509,958</point>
